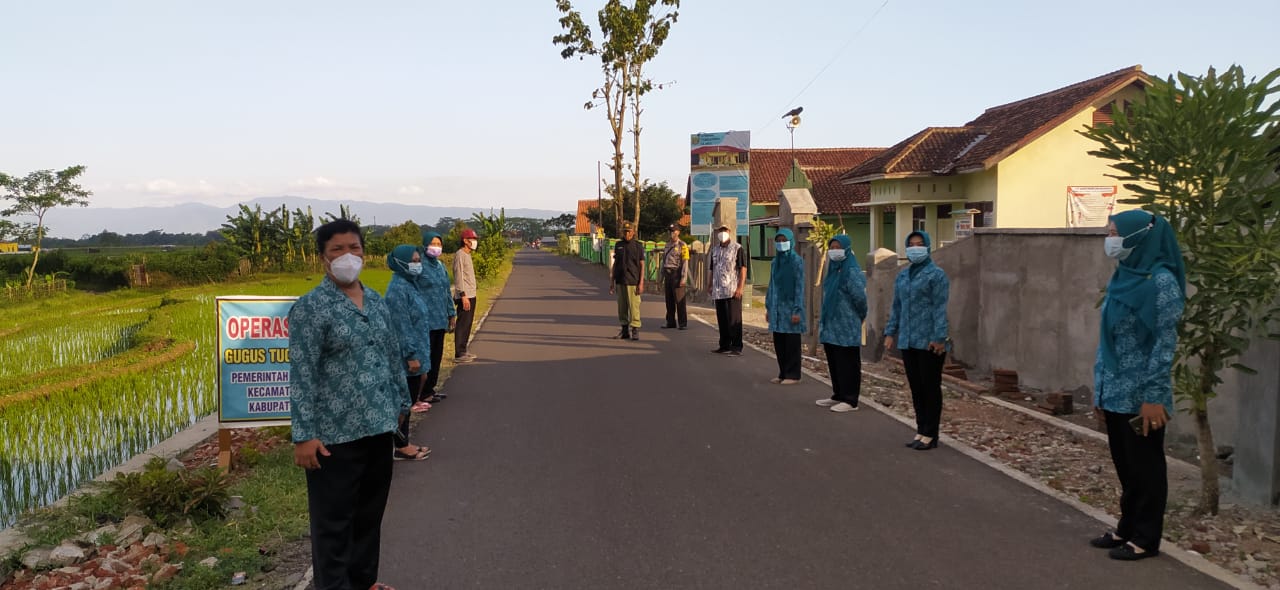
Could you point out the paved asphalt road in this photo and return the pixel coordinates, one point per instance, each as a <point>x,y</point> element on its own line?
<point>565,459</point>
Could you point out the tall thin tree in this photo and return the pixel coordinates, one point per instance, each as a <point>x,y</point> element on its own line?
<point>37,193</point>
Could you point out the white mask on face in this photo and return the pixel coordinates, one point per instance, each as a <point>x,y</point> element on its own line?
<point>472,244</point>
<point>346,268</point>
<point>723,236</point>
<point>836,255</point>
<point>435,251</point>
<point>917,254</point>
<point>782,246</point>
<point>1114,245</point>
<point>414,268</point>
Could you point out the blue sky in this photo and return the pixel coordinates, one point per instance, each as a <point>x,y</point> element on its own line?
<point>469,103</point>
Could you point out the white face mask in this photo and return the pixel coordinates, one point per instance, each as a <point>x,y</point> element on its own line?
<point>346,268</point>
<point>414,268</point>
<point>917,254</point>
<point>472,244</point>
<point>723,236</point>
<point>782,246</point>
<point>1114,245</point>
<point>435,251</point>
<point>836,255</point>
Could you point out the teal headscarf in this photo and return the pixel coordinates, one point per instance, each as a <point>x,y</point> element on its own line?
<point>426,241</point>
<point>1131,289</point>
<point>836,270</point>
<point>782,263</point>
<point>398,261</point>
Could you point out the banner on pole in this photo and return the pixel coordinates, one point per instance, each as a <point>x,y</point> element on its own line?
<point>719,167</point>
<point>253,359</point>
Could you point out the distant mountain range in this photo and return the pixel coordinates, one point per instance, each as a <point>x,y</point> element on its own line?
<point>198,218</point>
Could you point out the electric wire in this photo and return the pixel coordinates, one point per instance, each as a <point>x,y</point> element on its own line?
<point>830,63</point>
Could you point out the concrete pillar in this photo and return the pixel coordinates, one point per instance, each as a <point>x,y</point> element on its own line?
<point>901,228</point>
<point>876,219</point>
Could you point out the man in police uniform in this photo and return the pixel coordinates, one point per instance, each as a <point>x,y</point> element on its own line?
<point>675,274</point>
<point>628,281</point>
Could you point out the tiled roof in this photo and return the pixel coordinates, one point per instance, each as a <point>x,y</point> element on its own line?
<point>582,225</point>
<point>823,166</point>
<point>998,132</point>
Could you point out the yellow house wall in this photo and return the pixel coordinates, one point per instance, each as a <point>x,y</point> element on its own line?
<point>1033,181</point>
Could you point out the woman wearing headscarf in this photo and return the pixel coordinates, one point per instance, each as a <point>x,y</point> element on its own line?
<point>784,307</point>
<point>409,314</point>
<point>918,325</point>
<point>1133,373</point>
<point>844,306</point>
<point>433,286</point>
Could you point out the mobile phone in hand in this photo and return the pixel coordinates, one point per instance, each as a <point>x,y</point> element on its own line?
<point>1136,424</point>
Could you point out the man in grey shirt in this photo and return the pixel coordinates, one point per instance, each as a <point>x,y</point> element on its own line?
<point>464,295</point>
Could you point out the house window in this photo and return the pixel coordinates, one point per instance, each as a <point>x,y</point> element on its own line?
<point>944,211</point>
<point>985,215</point>
<point>1102,116</point>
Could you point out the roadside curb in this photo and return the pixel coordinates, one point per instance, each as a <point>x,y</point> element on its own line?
<point>1169,548</point>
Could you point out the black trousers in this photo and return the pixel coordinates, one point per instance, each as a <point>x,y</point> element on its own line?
<point>844,363</point>
<point>1144,481</point>
<point>402,432</point>
<point>729,320</point>
<point>924,374</point>
<point>346,498</point>
<point>677,310</point>
<point>437,353</point>
<point>462,329</point>
<point>787,348</point>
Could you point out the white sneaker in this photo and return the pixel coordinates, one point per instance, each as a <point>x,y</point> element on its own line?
<point>789,382</point>
<point>844,407</point>
<point>775,380</point>
<point>826,403</point>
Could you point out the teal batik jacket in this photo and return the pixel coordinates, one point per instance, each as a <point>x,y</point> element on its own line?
<point>346,377</point>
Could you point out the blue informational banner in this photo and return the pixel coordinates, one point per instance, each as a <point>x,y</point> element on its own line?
<point>253,359</point>
<point>719,167</point>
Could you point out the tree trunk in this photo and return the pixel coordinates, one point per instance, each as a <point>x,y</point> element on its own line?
<point>35,252</point>
<point>1208,464</point>
<point>1204,435</point>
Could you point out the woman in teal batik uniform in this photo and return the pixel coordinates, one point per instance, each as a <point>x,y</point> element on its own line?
<point>1133,373</point>
<point>784,307</point>
<point>918,325</point>
<point>844,307</point>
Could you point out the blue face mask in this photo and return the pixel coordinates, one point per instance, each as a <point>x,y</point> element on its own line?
<point>917,254</point>
<point>782,246</point>
<point>414,268</point>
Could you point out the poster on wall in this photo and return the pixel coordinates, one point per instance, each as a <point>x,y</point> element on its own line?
<point>719,167</point>
<point>253,360</point>
<point>1090,206</point>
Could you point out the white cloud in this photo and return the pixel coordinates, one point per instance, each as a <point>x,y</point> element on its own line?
<point>412,189</point>
<point>314,182</point>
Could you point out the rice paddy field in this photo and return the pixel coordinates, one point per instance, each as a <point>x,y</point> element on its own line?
<point>87,381</point>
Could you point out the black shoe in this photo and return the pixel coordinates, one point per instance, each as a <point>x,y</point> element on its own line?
<point>666,326</point>
<point>635,333</point>
<point>1107,541</point>
<point>1126,553</point>
<point>733,353</point>
<point>912,444</point>
<point>625,334</point>
<point>921,446</point>
<point>684,327</point>
<point>720,351</point>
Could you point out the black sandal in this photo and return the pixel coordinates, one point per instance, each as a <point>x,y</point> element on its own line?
<point>1108,540</point>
